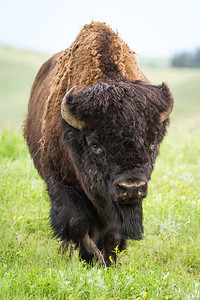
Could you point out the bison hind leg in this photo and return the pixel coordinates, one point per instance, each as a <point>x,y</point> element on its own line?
<point>66,246</point>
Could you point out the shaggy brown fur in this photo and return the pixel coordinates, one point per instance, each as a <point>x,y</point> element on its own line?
<point>87,170</point>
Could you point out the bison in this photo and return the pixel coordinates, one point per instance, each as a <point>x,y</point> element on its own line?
<point>93,129</point>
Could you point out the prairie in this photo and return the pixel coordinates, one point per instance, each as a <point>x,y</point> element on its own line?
<point>164,265</point>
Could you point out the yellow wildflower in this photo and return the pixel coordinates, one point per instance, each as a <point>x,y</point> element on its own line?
<point>144,295</point>
<point>110,259</point>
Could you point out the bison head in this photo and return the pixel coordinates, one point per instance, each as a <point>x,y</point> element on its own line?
<point>112,131</point>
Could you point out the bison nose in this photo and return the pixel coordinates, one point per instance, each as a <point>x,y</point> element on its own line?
<point>128,191</point>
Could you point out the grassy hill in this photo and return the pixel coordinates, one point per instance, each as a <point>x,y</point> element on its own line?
<point>17,71</point>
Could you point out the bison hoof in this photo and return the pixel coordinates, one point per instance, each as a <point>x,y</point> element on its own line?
<point>99,256</point>
<point>92,254</point>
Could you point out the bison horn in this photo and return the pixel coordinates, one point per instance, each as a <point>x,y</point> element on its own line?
<point>165,115</point>
<point>66,114</point>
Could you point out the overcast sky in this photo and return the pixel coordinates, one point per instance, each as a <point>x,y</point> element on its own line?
<point>151,27</point>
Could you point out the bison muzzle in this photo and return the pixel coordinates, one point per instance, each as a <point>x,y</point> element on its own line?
<point>93,129</point>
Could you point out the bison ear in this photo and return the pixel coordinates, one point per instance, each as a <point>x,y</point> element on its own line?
<point>66,114</point>
<point>167,93</point>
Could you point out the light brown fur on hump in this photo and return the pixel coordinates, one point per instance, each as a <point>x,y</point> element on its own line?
<point>80,63</point>
<point>84,63</point>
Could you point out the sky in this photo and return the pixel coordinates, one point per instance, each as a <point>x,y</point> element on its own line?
<point>150,27</point>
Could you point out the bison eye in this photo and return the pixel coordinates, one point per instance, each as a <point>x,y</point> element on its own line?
<point>95,148</point>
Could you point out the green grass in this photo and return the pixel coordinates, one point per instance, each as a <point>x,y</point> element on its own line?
<point>164,265</point>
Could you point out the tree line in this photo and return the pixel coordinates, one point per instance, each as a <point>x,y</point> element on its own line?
<point>186,59</point>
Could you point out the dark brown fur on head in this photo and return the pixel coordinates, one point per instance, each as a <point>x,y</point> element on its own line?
<point>123,118</point>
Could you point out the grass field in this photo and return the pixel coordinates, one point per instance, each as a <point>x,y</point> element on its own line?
<point>164,265</point>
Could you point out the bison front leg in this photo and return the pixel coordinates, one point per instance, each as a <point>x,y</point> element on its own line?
<point>89,251</point>
<point>70,222</point>
<point>113,242</point>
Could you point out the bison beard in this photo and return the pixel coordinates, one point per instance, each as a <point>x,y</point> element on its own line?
<point>96,149</point>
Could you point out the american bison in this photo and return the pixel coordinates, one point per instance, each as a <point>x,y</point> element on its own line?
<point>93,129</point>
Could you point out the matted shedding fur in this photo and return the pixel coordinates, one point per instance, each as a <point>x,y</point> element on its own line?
<point>96,53</point>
